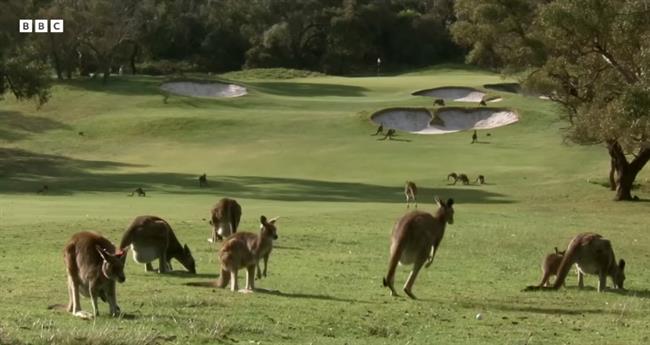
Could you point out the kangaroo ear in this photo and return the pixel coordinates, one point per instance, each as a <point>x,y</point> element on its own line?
<point>102,252</point>
<point>621,264</point>
<point>450,202</point>
<point>438,201</point>
<point>273,220</point>
<point>557,251</point>
<point>263,220</point>
<point>186,249</point>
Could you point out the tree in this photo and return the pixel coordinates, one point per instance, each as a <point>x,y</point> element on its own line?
<point>22,71</point>
<point>590,56</point>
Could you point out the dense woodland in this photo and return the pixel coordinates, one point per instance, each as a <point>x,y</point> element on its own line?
<point>590,56</point>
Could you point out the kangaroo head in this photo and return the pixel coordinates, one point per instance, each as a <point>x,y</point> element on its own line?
<point>268,227</point>
<point>187,259</point>
<point>619,275</point>
<point>559,252</point>
<point>445,210</point>
<point>112,264</point>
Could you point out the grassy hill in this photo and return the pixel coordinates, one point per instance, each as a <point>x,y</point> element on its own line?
<point>301,149</point>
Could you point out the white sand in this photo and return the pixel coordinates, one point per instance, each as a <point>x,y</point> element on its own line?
<point>419,120</point>
<point>186,88</point>
<point>457,94</point>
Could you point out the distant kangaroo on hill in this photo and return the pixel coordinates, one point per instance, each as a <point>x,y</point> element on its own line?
<point>139,191</point>
<point>203,180</point>
<point>592,254</point>
<point>410,191</point>
<point>225,217</point>
<point>480,179</point>
<point>458,177</point>
<point>93,266</point>
<point>244,250</point>
<point>152,238</point>
<point>550,266</point>
<point>415,240</point>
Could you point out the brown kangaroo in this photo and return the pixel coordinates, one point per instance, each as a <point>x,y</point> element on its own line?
<point>225,217</point>
<point>410,191</point>
<point>592,254</point>
<point>93,266</point>
<point>203,180</point>
<point>550,266</point>
<point>415,240</point>
<point>139,191</point>
<point>244,250</point>
<point>152,238</point>
<point>480,179</point>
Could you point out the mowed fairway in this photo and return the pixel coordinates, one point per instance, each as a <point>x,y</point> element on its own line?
<point>302,149</point>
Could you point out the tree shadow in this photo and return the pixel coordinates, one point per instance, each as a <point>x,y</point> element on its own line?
<point>27,171</point>
<point>15,126</point>
<point>309,89</point>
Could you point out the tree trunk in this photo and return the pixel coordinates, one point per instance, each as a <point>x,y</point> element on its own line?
<point>134,55</point>
<point>55,58</point>
<point>612,175</point>
<point>626,171</point>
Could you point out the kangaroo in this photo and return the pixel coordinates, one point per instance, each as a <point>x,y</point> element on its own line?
<point>415,240</point>
<point>458,177</point>
<point>43,190</point>
<point>380,129</point>
<point>482,102</point>
<point>592,254</point>
<point>203,180</point>
<point>410,191</point>
<point>550,266</point>
<point>480,179</point>
<point>244,250</point>
<point>139,191</point>
<point>93,267</point>
<point>389,134</point>
<point>439,101</point>
<point>225,217</point>
<point>152,238</point>
<point>474,137</point>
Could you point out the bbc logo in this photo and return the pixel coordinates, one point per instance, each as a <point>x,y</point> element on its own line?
<point>41,25</point>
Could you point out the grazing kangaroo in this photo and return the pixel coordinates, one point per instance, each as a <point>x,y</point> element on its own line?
<point>152,238</point>
<point>93,267</point>
<point>480,179</point>
<point>439,101</point>
<point>203,180</point>
<point>389,134</point>
<point>225,217</point>
<point>550,266</point>
<point>43,190</point>
<point>244,250</point>
<point>462,177</point>
<point>415,240</point>
<point>410,191</point>
<point>139,191</point>
<point>592,254</point>
<point>380,129</point>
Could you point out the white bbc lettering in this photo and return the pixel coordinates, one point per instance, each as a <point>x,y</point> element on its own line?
<point>56,25</point>
<point>40,25</point>
<point>25,25</point>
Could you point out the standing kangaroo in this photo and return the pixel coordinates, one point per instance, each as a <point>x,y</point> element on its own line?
<point>225,217</point>
<point>410,191</point>
<point>92,266</point>
<point>415,240</point>
<point>152,238</point>
<point>203,180</point>
<point>244,250</point>
<point>550,266</point>
<point>592,254</point>
<point>480,179</point>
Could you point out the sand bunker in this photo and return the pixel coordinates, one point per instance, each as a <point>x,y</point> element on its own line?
<point>212,90</point>
<point>446,120</point>
<point>453,93</point>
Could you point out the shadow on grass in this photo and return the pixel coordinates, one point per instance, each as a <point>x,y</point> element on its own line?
<point>25,172</point>
<point>307,296</point>
<point>632,293</point>
<point>308,89</point>
<point>550,311</point>
<point>186,274</point>
<point>15,126</point>
<point>120,85</point>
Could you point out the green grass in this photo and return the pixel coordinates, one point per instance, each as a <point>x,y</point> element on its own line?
<point>301,149</point>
